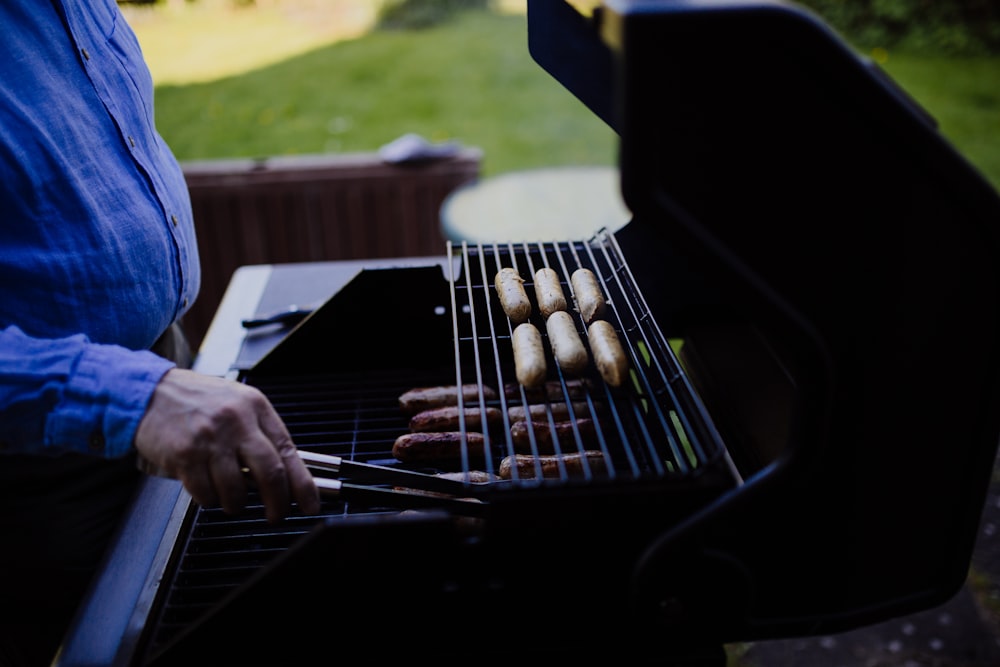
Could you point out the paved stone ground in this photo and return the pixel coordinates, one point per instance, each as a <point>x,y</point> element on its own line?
<point>963,632</point>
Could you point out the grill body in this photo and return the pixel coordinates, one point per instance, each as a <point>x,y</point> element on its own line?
<point>552,554</point>
<point>809,295</point>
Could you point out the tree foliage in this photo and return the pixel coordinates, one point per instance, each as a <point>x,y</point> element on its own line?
<point>403,14</point>
<point>958,27</point>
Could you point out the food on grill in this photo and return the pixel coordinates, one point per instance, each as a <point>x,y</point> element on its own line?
<point>567,346</point>
<point>589,297</point>
<point>529,355</point>
<point>574,463</point>
<point>424,398</point>
<point>473,476</point>
<point>540,411</point>
<point>513,298</point>
<point>551,390</point>
<point>437,446</point>
<point>548,292</point>
<point>609,356</point>
<point>448,418</point>
<point>566,431</point>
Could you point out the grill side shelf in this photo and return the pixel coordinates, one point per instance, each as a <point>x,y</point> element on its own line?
<point>384,318</point>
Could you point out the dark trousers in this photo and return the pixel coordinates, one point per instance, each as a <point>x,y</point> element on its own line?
<point>57,516</point>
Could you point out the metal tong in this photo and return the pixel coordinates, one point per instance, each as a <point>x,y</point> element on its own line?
<point>420,490</point>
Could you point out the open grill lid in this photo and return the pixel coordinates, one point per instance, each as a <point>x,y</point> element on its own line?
<point>832,264</point>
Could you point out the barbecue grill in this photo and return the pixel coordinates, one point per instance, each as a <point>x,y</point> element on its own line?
<point>807,296</point>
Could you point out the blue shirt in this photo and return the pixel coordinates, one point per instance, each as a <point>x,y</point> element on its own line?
<point>97,246</point>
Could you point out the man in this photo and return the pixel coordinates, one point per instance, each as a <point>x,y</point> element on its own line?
<point>98,263</point>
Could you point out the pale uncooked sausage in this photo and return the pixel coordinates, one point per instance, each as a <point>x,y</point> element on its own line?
<point>529,355</point>
<point>589,297</point>
<point>609,356</point>
<point>567,346</point>
<point>548,292</point>
<point>513,298</point>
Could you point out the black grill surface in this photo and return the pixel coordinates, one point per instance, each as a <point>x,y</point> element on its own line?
<point>662,455</point>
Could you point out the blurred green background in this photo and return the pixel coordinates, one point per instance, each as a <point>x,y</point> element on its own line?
<point>257,78</point>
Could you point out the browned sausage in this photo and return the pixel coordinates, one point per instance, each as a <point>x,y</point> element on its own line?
<point>513,298</point>
<point>567,346</point>
<point>425,398</point>
<point>434,446</point>
<point>548,292</point>
<point>550,391</point>
<point>529,355</point>
<point>538,412</point>
<point>525,464</point>
<point>589,297</point>
<point>609,357</point>
<point>447,419</point>
<point>471,476</point>
<point>520,434</point>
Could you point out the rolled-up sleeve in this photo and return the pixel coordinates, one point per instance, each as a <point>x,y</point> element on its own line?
<point>69,394</point>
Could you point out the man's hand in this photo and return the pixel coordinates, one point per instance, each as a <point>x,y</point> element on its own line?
<point>204,430</point>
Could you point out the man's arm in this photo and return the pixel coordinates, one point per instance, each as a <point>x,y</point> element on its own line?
<point>68,394</point>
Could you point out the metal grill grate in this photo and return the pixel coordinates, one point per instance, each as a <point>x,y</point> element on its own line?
<point>652,426</point>
<point>651,431</point>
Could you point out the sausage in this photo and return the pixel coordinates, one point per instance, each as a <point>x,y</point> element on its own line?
<point>424,398</point>
<point>447,419</point>
<point>529,355</point>
<point>548,292</point>
<point>520,434</point>
<point>513,298</point>
<point>437,446</point>
<point>471,476</point>
<point>525,464</point>
<point>539,412</point>
<point>608,353</point>
<point>589,297</point>
<point>567,346</point>
<point>551,390</point>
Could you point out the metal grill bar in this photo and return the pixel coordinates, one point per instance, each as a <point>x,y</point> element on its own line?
<point>644,429</point>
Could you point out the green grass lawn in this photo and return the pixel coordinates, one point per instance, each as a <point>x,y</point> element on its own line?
<point>963,95</point>
<point>471,80</point>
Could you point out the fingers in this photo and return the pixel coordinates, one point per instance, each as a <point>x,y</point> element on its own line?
<point>278,470</point>
<point>207,432</point>
<point>280,475</point>
<point>230,486</point>
<point>199,484</point>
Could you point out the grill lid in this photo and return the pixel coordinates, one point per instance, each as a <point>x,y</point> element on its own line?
<point>832,263</point>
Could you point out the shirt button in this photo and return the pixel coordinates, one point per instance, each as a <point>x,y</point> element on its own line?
<point>185,302</point>
<point>96,442</point>
<point>173,219</point>
<point>131,141</point>
<point>86,56</point>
